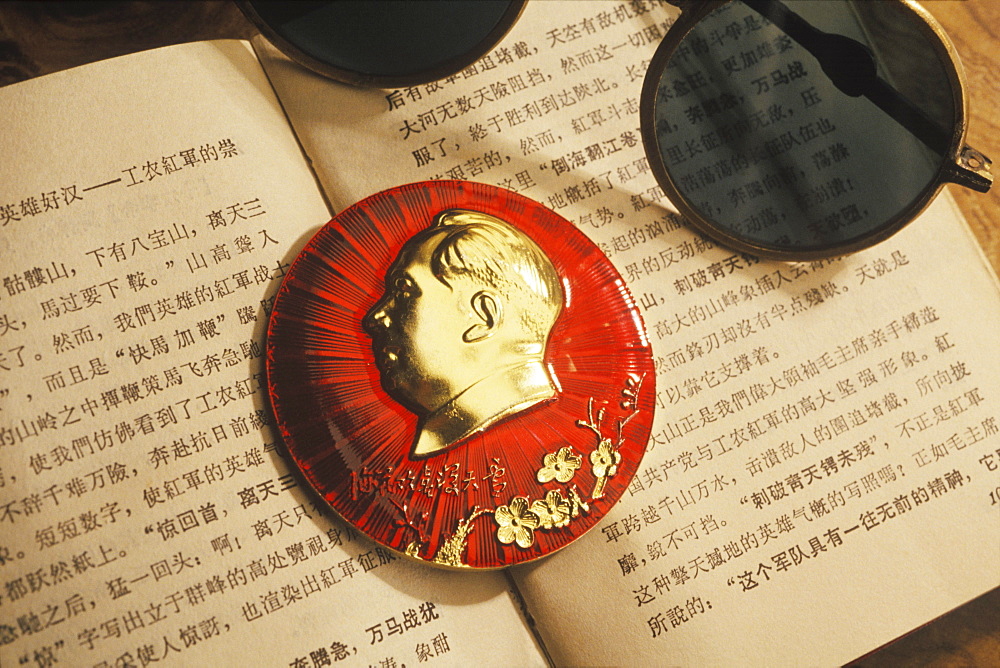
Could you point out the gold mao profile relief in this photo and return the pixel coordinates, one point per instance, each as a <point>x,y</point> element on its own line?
<point>460,374</point>
<point>459,336</point>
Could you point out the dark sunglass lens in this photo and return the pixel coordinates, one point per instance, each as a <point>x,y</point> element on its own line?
<point>387,38</point>
<point>798,125</point>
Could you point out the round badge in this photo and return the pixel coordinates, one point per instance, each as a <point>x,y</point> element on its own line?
<point>461,374</point>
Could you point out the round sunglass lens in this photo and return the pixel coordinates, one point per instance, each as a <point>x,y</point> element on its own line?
<point>798,126</point>
<point>398,39</point>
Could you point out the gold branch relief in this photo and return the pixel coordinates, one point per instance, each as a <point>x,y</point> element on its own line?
<point>450,553</point>
<point>518,520</point>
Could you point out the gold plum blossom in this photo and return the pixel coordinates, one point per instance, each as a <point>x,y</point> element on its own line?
<point>553,511</point>
<point>517,523</point>
<point>605,459</point>
<point>560,466</point>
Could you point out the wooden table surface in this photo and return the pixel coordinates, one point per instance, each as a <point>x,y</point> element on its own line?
<point>38,38</point>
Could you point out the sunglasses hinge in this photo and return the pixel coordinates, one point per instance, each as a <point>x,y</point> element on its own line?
<point>970,170</point>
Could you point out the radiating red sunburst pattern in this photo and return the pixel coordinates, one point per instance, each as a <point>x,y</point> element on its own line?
<point>352,440</point>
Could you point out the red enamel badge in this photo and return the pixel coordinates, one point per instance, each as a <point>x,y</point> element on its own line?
<point>460,373</point>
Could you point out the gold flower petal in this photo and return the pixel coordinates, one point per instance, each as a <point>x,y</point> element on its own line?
<point>503,516</point>
<point>506,534</point>
<point>528,519</point>
<point>546,474</point>
<point>518,505</point>
<point>541,509</point>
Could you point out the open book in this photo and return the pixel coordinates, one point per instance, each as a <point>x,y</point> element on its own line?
<point>824,467</point>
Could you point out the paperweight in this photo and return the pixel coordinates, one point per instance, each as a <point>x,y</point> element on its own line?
<point>460,373</point>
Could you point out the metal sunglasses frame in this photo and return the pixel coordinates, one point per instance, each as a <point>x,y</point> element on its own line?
<point>961,164</point>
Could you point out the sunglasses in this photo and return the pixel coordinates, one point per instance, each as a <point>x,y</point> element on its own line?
<point>806,129</point>
<point>788,129</point>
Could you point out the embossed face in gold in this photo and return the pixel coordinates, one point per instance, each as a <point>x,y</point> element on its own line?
<point>459,336</point>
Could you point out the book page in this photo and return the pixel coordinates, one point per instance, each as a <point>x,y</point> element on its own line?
<point>823,469</point>
<point>149,207</point>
